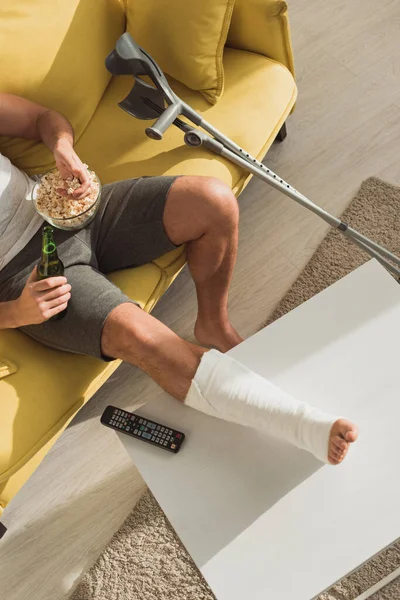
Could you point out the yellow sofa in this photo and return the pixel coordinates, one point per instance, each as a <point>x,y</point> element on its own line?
<point>55,68</point>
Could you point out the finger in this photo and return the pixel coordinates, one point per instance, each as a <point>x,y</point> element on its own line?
<point>54,311</point>
<point>55,293</point>
<point>82,191</point>
<point>82,174</point>
<point>57,301</point>
<point>49,283</point>
<point>65,172</point>
<point>33,276</point>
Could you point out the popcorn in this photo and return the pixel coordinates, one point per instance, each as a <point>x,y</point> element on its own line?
<point>57,206</point>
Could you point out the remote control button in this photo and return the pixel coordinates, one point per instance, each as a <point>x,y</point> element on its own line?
<point>139,433</point>
<point>140,421</point>
<point>133,417</point>
<point>162,428</point>
<point>135,432</point>
<point>173,446</point>
<point>146,435</point>
<point>128,429</point>
<point>178,435</point>
<point>165,443</point>
<point>170,432</point>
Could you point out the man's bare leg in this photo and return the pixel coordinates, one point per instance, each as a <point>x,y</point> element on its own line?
<point>203,213</point>
<point>135,336</point>
<point>138,338</point>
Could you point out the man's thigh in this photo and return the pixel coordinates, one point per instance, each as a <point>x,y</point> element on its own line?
<point>129,232</point>
<point>93,297</point>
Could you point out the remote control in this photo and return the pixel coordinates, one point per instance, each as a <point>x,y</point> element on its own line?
<point>143,429</point>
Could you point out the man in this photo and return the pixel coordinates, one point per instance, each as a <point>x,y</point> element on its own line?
<point>139,220</point>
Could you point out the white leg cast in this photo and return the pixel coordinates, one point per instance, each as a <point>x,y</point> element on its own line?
<point>222,387</point>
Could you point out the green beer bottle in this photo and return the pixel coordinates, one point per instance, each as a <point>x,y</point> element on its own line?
<point>50,265</point>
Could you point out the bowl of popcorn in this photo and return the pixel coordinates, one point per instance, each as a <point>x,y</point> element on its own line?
<point>62,210</point>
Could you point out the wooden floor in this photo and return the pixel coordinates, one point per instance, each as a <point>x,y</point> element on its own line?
<point>346,127</point>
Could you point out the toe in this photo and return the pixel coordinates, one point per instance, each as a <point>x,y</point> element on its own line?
<point>343,433</point>
<point>339,443</point>
<point>351,436</point>
<point>335,453</point>
<point>337,450</point>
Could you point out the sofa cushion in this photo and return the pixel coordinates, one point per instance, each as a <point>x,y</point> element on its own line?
<point>186,38</point>
<point>256,86</point>
<point>52,52</point>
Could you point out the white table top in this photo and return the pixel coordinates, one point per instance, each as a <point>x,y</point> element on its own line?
<point>262,519</point>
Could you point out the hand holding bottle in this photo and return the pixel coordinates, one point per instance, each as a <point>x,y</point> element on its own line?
<point>41,299</point>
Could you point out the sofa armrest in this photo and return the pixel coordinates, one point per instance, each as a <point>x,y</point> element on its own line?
<point>262,26</point>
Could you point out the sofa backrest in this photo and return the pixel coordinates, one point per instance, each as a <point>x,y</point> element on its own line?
<point>52,52</point>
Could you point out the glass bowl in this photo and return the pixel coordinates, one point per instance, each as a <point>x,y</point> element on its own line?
<point>75,222</point>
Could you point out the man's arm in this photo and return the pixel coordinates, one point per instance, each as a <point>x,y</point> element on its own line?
<point>22,118</point>
<point>8,316</point>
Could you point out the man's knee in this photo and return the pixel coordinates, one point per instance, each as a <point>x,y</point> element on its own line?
<point>124,335</point>
<point>221,200</point>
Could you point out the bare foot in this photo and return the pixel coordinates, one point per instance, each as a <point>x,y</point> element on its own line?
<point>221,337</point>
<point>343,433</point>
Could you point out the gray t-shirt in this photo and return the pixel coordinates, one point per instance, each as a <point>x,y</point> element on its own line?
<point>18,219</point>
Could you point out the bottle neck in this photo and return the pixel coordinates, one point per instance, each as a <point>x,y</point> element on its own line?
<point>49,248</point>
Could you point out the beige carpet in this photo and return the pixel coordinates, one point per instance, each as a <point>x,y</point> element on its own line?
<point>145,560</point>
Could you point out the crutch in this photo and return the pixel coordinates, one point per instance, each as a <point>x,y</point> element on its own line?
<point>159,101</point>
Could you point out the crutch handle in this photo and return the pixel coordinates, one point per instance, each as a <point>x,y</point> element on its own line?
<point>163,122</point>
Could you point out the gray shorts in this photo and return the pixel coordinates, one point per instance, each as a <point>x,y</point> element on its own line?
<point>126,232</point>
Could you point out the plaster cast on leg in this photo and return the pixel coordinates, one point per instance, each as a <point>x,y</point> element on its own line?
<point>222,387</point>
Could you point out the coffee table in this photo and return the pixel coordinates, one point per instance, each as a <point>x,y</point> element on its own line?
<point>260,518</point>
